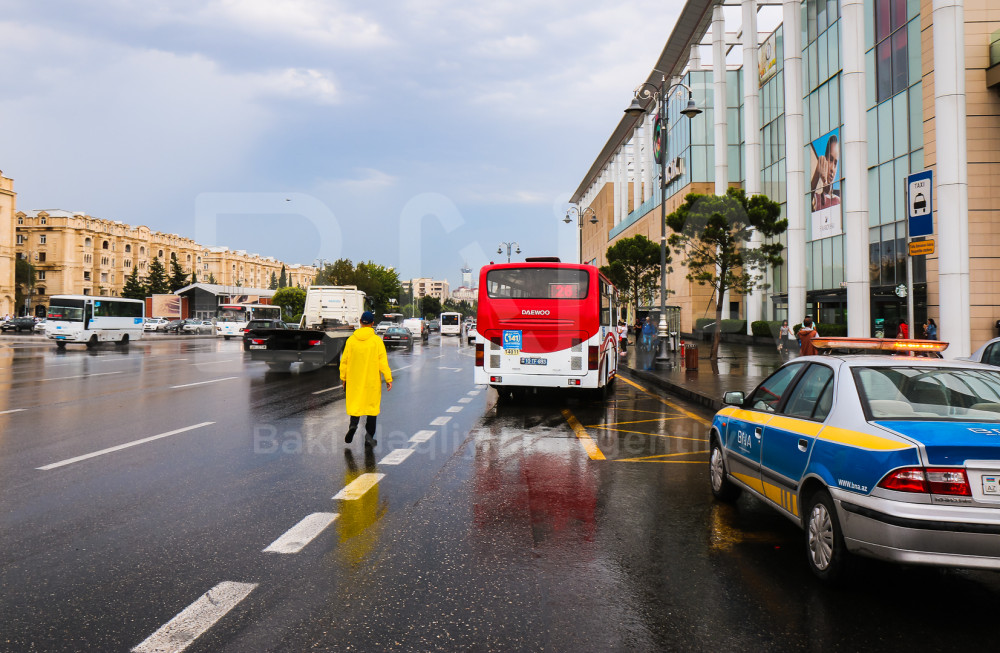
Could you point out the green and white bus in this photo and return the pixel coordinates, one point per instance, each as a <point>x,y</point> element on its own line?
<point>90,319</point>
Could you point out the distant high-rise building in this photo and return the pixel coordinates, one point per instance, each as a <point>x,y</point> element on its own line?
<point>466,276</point>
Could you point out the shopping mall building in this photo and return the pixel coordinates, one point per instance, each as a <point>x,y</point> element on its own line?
<point>839,103</point>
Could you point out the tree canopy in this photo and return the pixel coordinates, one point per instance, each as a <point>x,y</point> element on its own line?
<point>378,282</point>
<point>156,282</point>
<point>634,267</point>
<point>430,307</point>
<point>134,288</point>
<point>178,278</point>
<point>283,277</point>
<point>291,300</point>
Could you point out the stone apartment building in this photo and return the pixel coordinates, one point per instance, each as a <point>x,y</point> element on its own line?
<point>78,254</point>
<point>8,201</point>
<point>427,286</point>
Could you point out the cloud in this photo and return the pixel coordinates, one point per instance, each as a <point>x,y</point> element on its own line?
<point>369,180</point>
<point>297,83</point>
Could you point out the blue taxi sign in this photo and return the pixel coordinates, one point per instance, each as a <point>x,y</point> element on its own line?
<point>920,203</point>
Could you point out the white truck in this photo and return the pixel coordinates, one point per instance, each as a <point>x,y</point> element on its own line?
<point>331,314</point>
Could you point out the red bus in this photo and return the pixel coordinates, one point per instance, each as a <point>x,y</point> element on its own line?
<point>545,324</point>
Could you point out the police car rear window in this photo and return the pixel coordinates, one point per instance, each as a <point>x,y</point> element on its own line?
<point>929,393</point>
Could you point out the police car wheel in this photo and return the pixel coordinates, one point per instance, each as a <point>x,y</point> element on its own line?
<point>825,550</point>
<point>722,488</point>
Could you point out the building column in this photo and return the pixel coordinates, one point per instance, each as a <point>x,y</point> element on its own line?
<point>795,178</point>
<point>855,169</point>
<point>622,187</point>
<point>648,162</point>
<point>751,129</point>
<point>617,176</point>
<point>694,61</point>
<point>636,166</point>
<point>951,170</point>
<point>719,100</point>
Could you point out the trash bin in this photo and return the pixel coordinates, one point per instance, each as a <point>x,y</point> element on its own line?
<point>691,357</point>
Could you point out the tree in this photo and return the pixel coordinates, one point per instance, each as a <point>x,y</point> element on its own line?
<point>339,273</point>
<point>274,281</point>
<point>291,300</point>
<point>714,234</point>
<point>283,277</point>
<point>430,306</point>
<point>194,277</point>
<point>634,267</point>
<point>379,283</point>
<point>178,279</point>
<point>156,282</point>
<point>24,282</point>
<point>134,288</point>
<point>211,278</point>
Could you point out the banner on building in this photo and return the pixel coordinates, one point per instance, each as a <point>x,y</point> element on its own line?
<point>166,306</point>
<point>824,197</point>
<point>767,58</point>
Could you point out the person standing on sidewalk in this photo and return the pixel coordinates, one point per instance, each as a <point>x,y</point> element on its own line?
<point>930,329</point>
<point>362,365</point>
<point>903,332</point>
<point>806,335</point>
<point>784,335</point>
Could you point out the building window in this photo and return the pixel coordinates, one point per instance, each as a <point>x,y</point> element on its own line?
<point>41,290</point>
<point>43,219</point>
<point>128,263</point>
<point>142,251</point>
<point>160,254</point>
<point>86,275</point>
<point>40,275</point>
<point>41,239</point>
<point>86,291</point>
<point>20,239</point>
<point>105,245</point>
<point>891,58</point>
<point>128,249</point>
<point>88,243</point>
<point>41,257</point>
<point>20,220</point>
<point>88,259</point>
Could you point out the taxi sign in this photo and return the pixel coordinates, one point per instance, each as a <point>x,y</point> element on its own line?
<point>886,346</point>
<point>922,247</point>
<point>920,203</point>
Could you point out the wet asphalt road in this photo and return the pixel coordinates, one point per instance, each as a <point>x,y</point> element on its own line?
<point>499,531</point>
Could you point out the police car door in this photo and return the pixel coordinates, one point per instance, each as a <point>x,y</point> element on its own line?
<point>745,428</point>
<point>789,436</point>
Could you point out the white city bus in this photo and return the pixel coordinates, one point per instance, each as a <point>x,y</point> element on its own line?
<point>92,319</point>
<point>451,324</point>
<point>231,319</point>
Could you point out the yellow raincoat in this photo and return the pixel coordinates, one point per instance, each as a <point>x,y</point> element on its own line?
<point>360,364</point>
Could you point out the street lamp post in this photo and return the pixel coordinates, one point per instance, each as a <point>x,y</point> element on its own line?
<point>660,94</point>
<point>509,245</point>
<point>580,215</point>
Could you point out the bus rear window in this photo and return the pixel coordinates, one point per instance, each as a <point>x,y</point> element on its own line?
<point>537,283</point>
<point>69,310</point>
<point>449,320</point>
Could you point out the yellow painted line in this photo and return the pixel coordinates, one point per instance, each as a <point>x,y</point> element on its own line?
<point>655,435</point>
<point>751,482</point>
<point>638,421</point>
<point>656,459</point>
<point>638,410</point>
<point>861,440</point>
<point>359,486</point>
<point>581,433</point>
<point>683,411</point>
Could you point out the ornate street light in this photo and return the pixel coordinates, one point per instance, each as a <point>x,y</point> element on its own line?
<point>580,215</point>
<point>509,246</point>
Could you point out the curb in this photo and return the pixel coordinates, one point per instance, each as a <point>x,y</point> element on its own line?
<point>700,398</point>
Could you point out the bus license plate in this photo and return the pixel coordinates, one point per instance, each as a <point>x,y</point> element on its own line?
<point>60,337</point>
<point>534,361</point>
<point>258,346</point>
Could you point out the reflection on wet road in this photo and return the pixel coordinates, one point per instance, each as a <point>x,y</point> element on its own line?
<point>236,519</point>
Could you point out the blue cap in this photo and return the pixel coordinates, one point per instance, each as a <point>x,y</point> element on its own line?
<point>367,318</point>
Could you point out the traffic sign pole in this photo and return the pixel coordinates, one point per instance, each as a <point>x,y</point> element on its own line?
<point>918,198</point>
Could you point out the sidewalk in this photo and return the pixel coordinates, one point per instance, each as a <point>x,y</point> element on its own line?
<point>740,367</point>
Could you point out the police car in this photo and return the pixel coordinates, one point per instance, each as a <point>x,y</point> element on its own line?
<point>895,457</point>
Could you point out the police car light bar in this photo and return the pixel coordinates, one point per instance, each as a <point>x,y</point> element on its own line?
<point>880,344</point>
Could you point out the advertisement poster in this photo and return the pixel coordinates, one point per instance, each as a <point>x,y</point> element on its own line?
<point>767,59</point>
<point>166,306</point>
<point>824,198</point>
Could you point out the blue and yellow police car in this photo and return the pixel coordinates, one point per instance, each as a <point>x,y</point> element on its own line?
<point>894,456</point>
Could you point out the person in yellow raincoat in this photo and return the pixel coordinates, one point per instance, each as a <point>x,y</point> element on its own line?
<point>361,365</point>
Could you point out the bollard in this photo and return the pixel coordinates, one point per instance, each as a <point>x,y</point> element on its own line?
<point>682,352</point>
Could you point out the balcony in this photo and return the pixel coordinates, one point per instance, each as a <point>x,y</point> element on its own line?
<point>993,71</point>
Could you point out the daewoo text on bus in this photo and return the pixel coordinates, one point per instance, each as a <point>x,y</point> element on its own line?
<point>92,319</point>
<point>231,319</point>
<point>545,324</point>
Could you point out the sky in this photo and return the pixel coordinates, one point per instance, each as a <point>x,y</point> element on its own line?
<point>416,133</point>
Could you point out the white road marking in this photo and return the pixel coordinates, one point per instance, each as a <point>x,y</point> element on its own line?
<point>188,385</point>
<point>422,436</point>
<point>119,447</point>
<point>465,400</point>
<point>357,488</point>
<point>452,369</point>
<point>228,360</point>
<point>396,456</point>
<point>454,409</point>
<point>336,387</point>
<point>12,410</point>
<point>191,622</point>
<point>81,376</point>
<point>473,393</point>
<point>398,369</point>
<point>440,421</point>
<point>298,536</point>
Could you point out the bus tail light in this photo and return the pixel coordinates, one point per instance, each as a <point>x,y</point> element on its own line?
<point>496,379</point>
<point>933,480</point>
<point>480,355</point>
<point>593,357</point>
<point>574,382</point>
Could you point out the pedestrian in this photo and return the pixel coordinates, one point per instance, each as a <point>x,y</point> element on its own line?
<point>806,335</point>
<point>903,331</point>
<point>930,329</point>
<point>784,335</point>
<point>622,332</point>
<point>361,365</point>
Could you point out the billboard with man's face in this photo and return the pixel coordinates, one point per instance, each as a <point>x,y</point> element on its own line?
<point>824,187</point>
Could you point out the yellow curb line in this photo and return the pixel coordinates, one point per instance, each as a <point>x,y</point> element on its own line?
<point>638,421</point>
<point>655,435</point>
<point>581,433</point>
<point>667,403</point>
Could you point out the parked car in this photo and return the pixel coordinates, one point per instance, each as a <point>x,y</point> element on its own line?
<point>18,324</point>
<point>894,457</point>
<point>172,326</point>
<point>192,327</point>
<point>40,326</point>
<point>397,336</point>
<point>988,353</point>
<point>154,323</point>
<point>259,324</point>
<point>470,333</point>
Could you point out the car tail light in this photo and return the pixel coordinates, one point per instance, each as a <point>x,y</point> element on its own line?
<point>593,360</point>
<point>480,355</point>
<point>257,341</point>
<point>933,480</point>
<point>313,343</point>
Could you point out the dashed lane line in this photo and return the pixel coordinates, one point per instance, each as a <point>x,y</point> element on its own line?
<point>581,433</point>
<point>194,620</point>
<point>684,411</point>
<point>441,421</point>
<point>422,436</point>
<point>298,536</point>
<point>358,487</point>
<point>133,443</point>
<point>396,456</point>
<point>465,400</point>
<point>189,385</point>
<point>12,410</point>
<point>454,409</point>
<point>336,387</point>
<point>82,376</point>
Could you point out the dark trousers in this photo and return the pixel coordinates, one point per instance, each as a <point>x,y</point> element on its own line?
<point>370,422</point>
